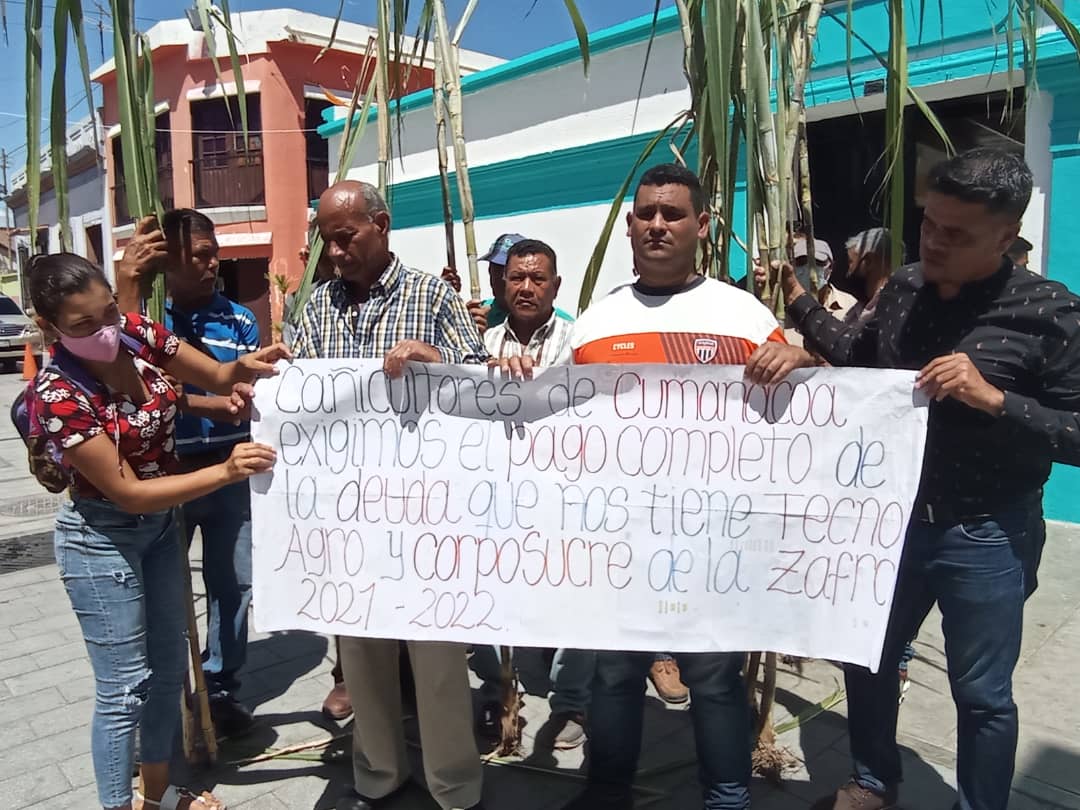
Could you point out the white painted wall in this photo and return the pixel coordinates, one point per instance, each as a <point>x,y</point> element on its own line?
<point>572,232</point>
<point>255,30</point>
<point>543,112</point>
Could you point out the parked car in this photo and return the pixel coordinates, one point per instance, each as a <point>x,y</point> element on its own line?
<point>16,330</point>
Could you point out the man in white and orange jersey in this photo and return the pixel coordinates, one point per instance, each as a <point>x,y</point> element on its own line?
<point>671,314</point>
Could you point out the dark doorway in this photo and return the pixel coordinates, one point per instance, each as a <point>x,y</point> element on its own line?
<point>317,148</point>
<point>95,251</point>
<point>246,282</point>
<point>847,170</point>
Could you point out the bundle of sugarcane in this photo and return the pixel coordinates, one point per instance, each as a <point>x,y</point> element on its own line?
<point>510,727</point>
<point>200,740</point>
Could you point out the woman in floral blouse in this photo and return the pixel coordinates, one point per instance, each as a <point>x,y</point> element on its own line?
<point>106,404</point>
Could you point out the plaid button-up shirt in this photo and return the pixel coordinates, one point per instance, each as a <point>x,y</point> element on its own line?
<point>404,304</point>
<point>548,346</point>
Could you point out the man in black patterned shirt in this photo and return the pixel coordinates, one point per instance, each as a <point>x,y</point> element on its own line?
<point>998,352</point>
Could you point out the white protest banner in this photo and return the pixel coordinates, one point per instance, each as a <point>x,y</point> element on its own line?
<point>673,508</point>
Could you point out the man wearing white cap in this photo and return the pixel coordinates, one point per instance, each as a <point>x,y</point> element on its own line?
<point>837,302</point>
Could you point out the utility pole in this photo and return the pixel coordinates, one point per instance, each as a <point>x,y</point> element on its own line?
<point>9,227</point>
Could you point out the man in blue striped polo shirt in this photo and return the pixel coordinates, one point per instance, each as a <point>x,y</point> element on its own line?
<point>223,329</point>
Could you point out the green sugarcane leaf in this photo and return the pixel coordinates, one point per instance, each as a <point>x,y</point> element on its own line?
<point>581,30</point>
<point>58,123</point>
<point>645,62</point>
<point>148,136</point>
<point>207,16</point>
<point>225,18</point>
<point>351,139</point>
<point>916,99</point>
<point>592,272</point>
<point>127,104</point>
<point>155,305</point>
<point>1058,17</point>
<point>33,116</point>
<point>78,32</point>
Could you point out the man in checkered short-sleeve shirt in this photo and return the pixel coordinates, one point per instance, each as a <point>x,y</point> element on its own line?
<point>379,308</point>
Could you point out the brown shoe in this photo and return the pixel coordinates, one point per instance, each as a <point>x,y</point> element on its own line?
<point>665,677</point>
<point>854,796</point>
<point>337,705</point>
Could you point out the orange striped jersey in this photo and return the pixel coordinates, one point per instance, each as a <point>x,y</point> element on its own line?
<point>706,322</point>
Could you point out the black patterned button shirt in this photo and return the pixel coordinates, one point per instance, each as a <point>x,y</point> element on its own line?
<point>1021,331</point>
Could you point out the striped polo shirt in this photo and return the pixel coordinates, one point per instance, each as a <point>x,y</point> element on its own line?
<point>705,321</point>
<point>227,330</point>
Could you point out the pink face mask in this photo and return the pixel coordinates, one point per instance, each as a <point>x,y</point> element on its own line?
<point>100,347</point>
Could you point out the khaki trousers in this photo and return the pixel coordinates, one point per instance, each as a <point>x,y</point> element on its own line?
<point>444,710</point>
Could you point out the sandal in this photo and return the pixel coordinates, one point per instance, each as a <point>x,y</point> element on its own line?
<point>173,796</point>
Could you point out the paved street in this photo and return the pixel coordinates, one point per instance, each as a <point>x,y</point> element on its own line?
<point>46,699</point>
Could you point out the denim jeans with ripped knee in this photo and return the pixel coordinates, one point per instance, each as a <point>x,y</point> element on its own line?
<point>122,573</point>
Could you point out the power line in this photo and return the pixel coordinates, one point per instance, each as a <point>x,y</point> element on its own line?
<point>45,129</point>
<point>53,8</point>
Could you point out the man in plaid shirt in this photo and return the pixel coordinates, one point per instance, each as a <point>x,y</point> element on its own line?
<point>379,308</point>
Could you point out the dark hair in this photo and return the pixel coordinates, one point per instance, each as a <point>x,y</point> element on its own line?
<point>1019,247</point>
<point>997,178</point>
<point>533,247</point>
<point>56,276</point>
<point>179,224</point>
<point>672,174</point>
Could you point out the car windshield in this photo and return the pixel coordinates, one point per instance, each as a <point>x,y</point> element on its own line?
<point>9,307</point>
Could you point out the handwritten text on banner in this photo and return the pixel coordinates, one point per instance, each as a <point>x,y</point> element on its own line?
<point>607,507</point>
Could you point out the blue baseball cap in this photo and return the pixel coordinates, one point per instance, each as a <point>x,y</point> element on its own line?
<point>500,247</point>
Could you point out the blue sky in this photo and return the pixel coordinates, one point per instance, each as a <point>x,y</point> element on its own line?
<point>505,28</point>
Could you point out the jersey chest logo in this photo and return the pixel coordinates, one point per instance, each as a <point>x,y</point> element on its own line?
<point>705,349</point>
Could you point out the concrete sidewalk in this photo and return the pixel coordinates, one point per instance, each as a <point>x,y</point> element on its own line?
<point>46,698</point>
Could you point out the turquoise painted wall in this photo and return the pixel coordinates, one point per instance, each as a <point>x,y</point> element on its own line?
<point>1061,77</point>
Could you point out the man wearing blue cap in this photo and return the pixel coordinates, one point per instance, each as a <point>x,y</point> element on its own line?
<point>493,311</point>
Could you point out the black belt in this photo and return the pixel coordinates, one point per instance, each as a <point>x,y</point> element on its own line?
<point>944,514</point>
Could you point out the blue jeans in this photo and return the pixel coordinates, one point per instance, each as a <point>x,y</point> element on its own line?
<point>122,574</point>
<point>979,573</point>
<point>225,519</point>
<point>720,712</point>
<point>570,676</point>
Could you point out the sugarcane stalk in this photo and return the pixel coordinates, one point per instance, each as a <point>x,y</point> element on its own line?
<point>768,696</point>
<point>510,727</point>
<point>779,73</point>
<point>466,15</point>
<point>452,84</point>
<point>200,741</point>
<point>806,198</point>
<point>758,86</point>
<point>444,171</point>
<point>801,46</point>
<point>753,666</point>
<point>299,748</point>
<point>382,100</point>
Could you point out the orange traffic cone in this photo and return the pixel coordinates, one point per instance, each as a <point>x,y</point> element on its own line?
<point>30,366</point>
